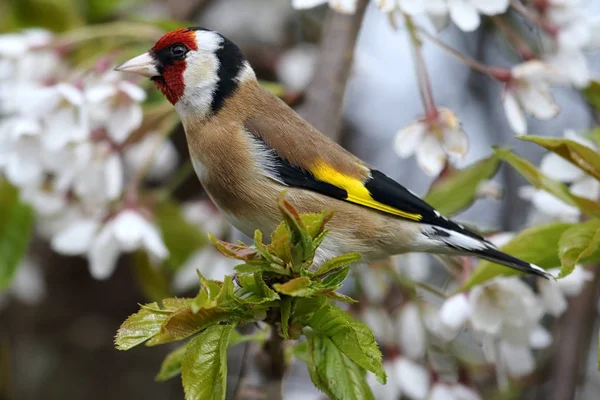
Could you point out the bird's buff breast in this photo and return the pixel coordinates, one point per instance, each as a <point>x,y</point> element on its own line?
<point>244,205</point>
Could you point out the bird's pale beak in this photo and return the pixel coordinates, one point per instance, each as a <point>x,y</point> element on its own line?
<point>144,65</point>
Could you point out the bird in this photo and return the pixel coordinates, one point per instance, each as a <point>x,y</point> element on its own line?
<point>247,146</point>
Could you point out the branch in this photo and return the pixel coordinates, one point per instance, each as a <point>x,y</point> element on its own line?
<point>324,96</point>
<point>573,341</point>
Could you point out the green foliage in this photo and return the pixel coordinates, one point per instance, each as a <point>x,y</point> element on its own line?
<point>16,224</point>
<point>577,154</point>
<point>277,284</point>
<point>204,366</point>
<point>352,337</point>
<point>577,243</point>
<point>147,322</point>
<point>333,372</point>
<point>459,190</point>
<point>592,94</point>
<point>171,366</point>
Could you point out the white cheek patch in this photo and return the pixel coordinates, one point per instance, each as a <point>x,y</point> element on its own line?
<point>201,75</point>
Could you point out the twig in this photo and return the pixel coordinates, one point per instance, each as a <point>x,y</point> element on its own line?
<point>242,374</point>
<point>573,341</point>
<point>324,95</point>
<point>513,37</point>
<point>474,64</point>
<point>540,21</point>
<point>274,367</point>
<point>425,91</point>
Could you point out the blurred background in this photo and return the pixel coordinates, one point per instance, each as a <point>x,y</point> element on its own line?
<point>57,323</point>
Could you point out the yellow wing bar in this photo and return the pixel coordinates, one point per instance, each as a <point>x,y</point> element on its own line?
<point>357,192</point>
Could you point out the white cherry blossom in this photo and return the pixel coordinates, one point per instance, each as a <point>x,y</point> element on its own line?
<point>528,92</point>
<point>127,232</point>
<point>410,331</point>
<point>466,13</point>
<point>432,143</point>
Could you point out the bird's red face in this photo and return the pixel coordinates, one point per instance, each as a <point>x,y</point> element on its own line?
<point>170,53</point>
<point>195,68</point>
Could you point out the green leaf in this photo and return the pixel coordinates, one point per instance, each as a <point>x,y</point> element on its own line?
<point>340,297</point>
<point>458,191</point>
<point>152,281</point>
<point>352,337</point>
<point>592,94</point>
<point>297,287</point>
<point>254,290</point>
<point>541,181</point>
<point>333,372</point>
<point>300,351</point>
<point>171,365</point>
<point>204,367</point>
<point>16,225</point>
<point>147,322</point>
<point>301,240</point>
<point>338,262</point>
<point>236,251</point>
<point>185,322</point>
<point>181,237</point>
<point>252,268</point>
<point>335,279</point>
<point>285,307</point>
<point>577,243</point>
<point>576,153</point>
<point>537,245</point>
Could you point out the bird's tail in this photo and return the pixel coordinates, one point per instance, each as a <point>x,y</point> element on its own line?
<point>450,241</point>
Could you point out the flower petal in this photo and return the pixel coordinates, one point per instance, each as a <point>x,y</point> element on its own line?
<point>300,4</point>
<point>114,176</point>
<point>587,187</point>
<point>76,239</point>
<point>153,242</point>
<point>556,167</point>
<point>514,113</point>
<point>464,15</point>
<point>537,100</point>
<point>135,93</point>
<point>572,284</point>
<point>455,311</point>
<point>431,156</point>
<point>124,120</point>
<point>129,228</point>
<point>540,338</point>
<point>410,333</point>
<point>552,298</point>
<point>518,359</point>
<point>413,378</point>
<point>408,138</point>
<point>103,254</point>
<point>491,7</point>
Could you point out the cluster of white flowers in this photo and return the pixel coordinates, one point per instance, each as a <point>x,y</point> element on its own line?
<point>505,315</point>
<point>464,13</point>
<point>66,142</point>
<point>547,206</point>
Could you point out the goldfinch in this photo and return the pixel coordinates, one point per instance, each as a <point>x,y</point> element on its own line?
<point>247,147</point>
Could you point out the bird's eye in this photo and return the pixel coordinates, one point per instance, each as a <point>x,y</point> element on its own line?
<point>178,50</point>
